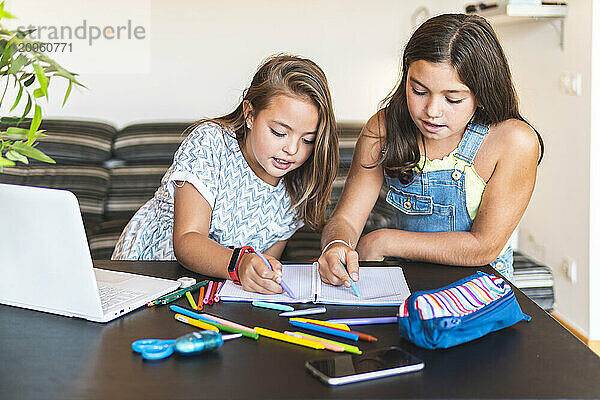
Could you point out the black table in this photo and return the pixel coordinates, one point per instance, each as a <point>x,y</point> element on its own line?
<point>52,357</point>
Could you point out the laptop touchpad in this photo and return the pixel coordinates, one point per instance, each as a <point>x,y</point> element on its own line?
<point>103,275</point>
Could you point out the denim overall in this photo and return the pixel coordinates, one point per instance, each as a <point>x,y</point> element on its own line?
<point>435,201</point>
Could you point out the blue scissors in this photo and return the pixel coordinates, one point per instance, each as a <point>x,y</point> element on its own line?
<point>154,349</point>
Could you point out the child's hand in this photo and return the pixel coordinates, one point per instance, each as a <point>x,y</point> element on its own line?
<point>256,276</point>
<point>330,265</point>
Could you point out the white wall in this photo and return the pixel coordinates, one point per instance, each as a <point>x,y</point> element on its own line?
<point>557,222</point>
<point>201,55</point>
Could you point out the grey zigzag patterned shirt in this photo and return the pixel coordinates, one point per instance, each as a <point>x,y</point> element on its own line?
<point>245,209</point>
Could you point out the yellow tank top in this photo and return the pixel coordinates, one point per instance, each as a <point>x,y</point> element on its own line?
<point>474,184</point>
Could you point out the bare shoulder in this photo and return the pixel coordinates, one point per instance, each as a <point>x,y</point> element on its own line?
<point>375,126</point>
<point>515,138</point>
<point>511,142</point>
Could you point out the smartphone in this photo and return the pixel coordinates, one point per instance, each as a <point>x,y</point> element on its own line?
<point>369,365</point>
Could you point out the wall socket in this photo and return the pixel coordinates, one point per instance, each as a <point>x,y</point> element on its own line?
<point>570,83</point>
<point>568,266</point>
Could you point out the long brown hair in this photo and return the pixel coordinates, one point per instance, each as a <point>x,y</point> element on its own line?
<point>309,186</point>
<point>469,44</point>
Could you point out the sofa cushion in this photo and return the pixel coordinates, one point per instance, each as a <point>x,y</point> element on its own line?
<point>130,187</point>
<point>104,236</point>
<point>150,142</point>
<point>75,142</point>
<point>88,183</point>
<point>348,133</point>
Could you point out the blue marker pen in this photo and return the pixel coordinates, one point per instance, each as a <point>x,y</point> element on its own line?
<point>324,329</point>
<point>352,283</point>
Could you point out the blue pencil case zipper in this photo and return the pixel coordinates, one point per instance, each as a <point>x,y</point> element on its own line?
<point>460,312</point>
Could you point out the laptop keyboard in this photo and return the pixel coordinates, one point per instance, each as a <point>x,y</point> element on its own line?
<point>111,296</point>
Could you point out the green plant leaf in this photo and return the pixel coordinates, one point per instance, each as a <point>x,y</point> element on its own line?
<point>6,163</point>
<point>32,152</point>
<point>8,52</point>
<point>18,99</point>
<point>15,156</point>
<point>29,81</point>
<point>17,132</point>
<point>68,93</point>
<point>37,93</point>
<point>17,64</point>
<point>27,107</point>
<point>35,124</point>
<point>22,33</point>
<point>70,76</point>
<point>42,79</point>
<point>4,14</point>
<point>14,121</point>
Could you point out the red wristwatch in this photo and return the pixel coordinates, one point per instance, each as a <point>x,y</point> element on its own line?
<point>234,262</point>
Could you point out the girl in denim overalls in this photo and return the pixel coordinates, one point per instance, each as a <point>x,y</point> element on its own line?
<point>459,160</point>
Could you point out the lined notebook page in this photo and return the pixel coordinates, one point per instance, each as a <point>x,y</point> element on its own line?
<point>297,276</point>
<point>377,286</point>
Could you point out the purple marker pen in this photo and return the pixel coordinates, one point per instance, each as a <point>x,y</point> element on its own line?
<point>364,321</point>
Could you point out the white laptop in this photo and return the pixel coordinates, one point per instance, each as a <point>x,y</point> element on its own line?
<point>45,262</point>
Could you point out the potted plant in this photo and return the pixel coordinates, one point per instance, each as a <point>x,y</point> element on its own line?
<point>24,64</point>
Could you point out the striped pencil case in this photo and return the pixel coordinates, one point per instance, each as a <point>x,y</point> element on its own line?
<point>460,312</point>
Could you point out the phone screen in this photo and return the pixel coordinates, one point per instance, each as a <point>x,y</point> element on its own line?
<point>369,365</point>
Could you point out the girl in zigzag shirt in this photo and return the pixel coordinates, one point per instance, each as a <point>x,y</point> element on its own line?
<point>247,180</point>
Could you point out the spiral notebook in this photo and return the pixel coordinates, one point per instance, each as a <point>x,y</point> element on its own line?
<point>378,286</point>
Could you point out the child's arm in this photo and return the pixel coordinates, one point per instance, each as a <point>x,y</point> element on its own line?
<point>276,250</point>
<point>504,201</point>
<point>356,202</point>
<point>197,252</point>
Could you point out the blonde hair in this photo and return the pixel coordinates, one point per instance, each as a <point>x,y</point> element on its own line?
<point>309,186</point>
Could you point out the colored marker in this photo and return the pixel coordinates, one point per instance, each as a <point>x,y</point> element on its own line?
<point>306,311</point>
<point>361,336</point>
<point>228,323</point>
<point>273,306</point>
<point>328,346</point>
<point>322,323</point>
<point>168,298</point>
<point>352,283</point>
<point>201,299</point>
<point>290,339</point>
<point>282,283</point>
<point>211,298</point>
<point>217,296</point>
<point>324,329</point>
<point>347,347</point>
<point>365,321</point>
<point>208,290</point>
<point>191,300</point>
<point>195,322</point>
<point>343,328</point>
<point>222,327</point>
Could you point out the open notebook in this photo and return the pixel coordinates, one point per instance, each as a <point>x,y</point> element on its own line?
<point>378,286</point>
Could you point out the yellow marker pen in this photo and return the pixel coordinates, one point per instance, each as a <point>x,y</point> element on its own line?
<point>196,323</point>
<point>322,323</point>
<point>287,338</point>
<point>191,300</point>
